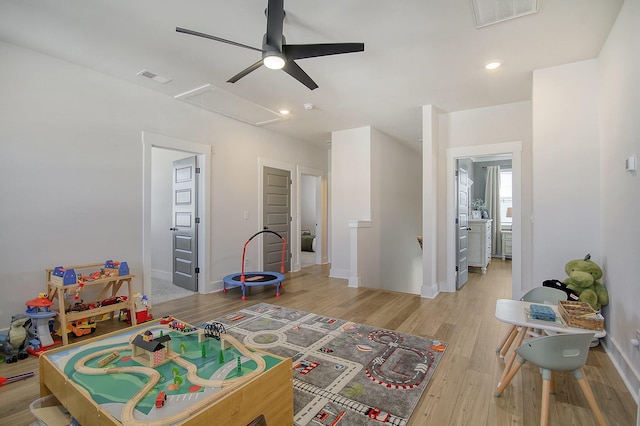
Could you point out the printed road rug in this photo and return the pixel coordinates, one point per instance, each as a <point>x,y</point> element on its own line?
<point>344,373</point>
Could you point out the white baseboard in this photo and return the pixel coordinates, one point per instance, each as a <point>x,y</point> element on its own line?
<point>354,282</point>
<point>339,273</point>
<point>429,291</point>
<point>213,287</point>
<point>161,275</point>
<point>625,368</point>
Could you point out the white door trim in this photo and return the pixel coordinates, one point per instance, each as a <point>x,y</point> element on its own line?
<point>203,152</point>
<point>515,149</point>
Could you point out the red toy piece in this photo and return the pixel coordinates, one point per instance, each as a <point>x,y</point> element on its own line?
<point>166,320</point>
<point>160,399</point>
<point>113,300</point>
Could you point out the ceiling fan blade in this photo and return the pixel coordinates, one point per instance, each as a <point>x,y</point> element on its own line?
<point>275,21</point>
<point>296,72</point>
<point>245,72</point>
<point>301,51</point>
<point>210,37</point>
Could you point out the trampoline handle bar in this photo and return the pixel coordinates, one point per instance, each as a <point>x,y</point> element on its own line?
<point>284,250</point>
<point>262,232</point>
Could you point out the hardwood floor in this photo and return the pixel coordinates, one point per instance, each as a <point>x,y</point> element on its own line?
<point>461,390</point>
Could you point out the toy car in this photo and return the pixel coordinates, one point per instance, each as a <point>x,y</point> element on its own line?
<point>79,306</point>
<point>79,327</point>
<point>113,300</point>
<point>160,399</point>
<point>377,414</point>
<point>166,320</point>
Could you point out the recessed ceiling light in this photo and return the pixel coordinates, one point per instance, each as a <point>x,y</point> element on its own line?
<point>493,65</point>
<point>284,111</point>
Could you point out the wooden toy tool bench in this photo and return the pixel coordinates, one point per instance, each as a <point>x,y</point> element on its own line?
<point>110,285</point>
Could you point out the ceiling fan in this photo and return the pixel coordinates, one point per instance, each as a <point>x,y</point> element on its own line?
<point>276,54</point>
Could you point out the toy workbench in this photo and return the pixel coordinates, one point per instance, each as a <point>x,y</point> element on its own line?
<point>63,283</point>
<point>194,378</point>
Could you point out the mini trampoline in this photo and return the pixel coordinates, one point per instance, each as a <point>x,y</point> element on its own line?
<point>245,279</point>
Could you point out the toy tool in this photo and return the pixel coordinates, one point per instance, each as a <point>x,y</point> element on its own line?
<point>12,379</point>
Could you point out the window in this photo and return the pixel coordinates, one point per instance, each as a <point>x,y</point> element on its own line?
<point>506,199</point>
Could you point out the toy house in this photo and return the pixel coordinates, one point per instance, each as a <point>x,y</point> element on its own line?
<point>151,351</point>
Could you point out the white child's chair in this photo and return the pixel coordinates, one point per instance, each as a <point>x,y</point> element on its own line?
<point>559,352</point>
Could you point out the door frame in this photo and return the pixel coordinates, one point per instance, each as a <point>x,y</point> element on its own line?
<point>453,154</point>
<point>320,214</point>
<point>203,152</point>
<point>293,245</point>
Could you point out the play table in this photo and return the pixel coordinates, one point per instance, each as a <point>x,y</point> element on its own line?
<point>514,312</point>
<point>220,381</point>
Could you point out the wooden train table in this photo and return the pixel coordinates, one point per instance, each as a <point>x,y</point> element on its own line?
<point>168,373</point>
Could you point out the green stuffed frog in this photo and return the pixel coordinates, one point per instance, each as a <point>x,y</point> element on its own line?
<point>583,279</point>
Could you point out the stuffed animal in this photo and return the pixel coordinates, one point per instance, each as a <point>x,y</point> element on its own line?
<point>15,343</point>
<point>583,279</point>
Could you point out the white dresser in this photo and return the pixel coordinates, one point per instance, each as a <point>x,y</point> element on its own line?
<point>480,243</point>
<point>506,244</point>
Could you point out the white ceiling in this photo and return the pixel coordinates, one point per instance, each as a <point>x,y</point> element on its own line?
<point>417,52</point>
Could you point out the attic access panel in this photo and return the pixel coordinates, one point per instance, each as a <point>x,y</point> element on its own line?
<point>489,12</point>
<point>230,105</point>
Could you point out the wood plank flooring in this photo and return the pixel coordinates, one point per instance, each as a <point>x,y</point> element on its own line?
<point>461,390</point>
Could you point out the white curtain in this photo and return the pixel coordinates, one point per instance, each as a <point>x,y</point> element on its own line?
<point>492,200</point>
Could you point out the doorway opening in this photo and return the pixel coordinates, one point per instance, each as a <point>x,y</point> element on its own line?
<point>484,188</point>
<point>514,149</point>
<point>154,232</point>
<point>310,218</point>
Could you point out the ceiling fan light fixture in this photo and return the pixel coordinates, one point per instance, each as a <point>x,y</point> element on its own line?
<point>276,53</point>
<point>273,61</point>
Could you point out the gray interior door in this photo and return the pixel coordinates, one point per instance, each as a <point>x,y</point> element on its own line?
<point>185,223</point>
<point>276,207</point>
<point>462,222</point>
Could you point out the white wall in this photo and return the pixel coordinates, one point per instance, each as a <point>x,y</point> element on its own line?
<point>566,172</point>
<point>376,179</point>
<point>71,171</point>
<point>619,64</point>
<point>397,211</point>
<point>434,249</point>
<point>350,191</point>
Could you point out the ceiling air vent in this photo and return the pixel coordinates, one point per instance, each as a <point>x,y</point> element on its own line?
<point>230,105</point>
<point>155,77</point>
<point>489,12</point>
